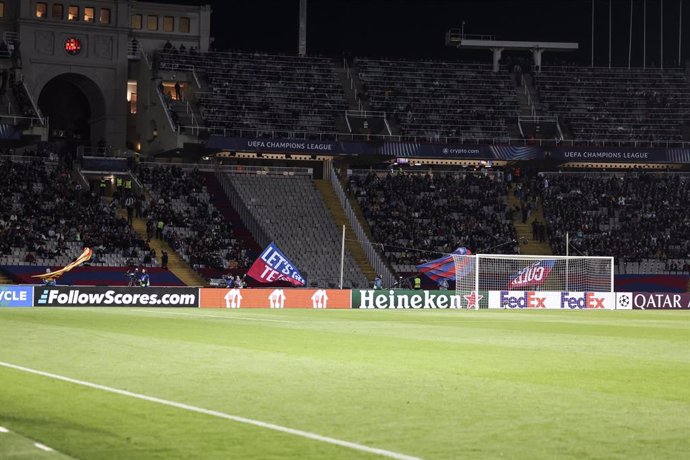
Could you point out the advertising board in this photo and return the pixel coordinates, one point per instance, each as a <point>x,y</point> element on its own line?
<point>87,296</point>
<point>274,298</point>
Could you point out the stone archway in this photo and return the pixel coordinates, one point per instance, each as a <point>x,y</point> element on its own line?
<point>75,107</point>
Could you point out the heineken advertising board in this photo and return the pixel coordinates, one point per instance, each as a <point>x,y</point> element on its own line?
<point>399,298</point>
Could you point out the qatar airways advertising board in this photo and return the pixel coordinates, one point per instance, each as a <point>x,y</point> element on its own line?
<point>653,300</point>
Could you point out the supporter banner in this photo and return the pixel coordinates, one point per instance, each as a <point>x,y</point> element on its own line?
<point>109,164</point>
<point>534,275</point>
<point>553,300</point>
<point>63,296</point>
<point>10,132</point>
<point>652,283</point>
<point>653,300</point>
<point>274,298</point>
<point>16,296</point>
<point>272,265</point>
<point>404,299</point>
<point>621,155</point>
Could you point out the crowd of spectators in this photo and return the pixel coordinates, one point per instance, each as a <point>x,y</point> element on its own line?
<point>180,211</point>
<point>415,215</point>
<point>264,95</point>
<point>631,216</point>
<point>44,214</point>
<point>441,101</point>
<point>621,106</point>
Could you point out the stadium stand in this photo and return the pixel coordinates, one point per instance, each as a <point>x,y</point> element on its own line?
<point>192,225</point>
<point>261,95</point>
<point>434,213</point>
<point>292,213</point>
<point>642,219</point>
<point>47,218</point>
<point>637,107</point>
<point>435,101</point>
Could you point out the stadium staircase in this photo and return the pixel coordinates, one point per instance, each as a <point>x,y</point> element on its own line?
<point>528,245</point>
<point>4,279</point>
<point>176,264</point>
<point>224,206</point>
<point>351,244</point>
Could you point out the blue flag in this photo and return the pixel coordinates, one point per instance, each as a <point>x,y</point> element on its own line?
<point>444,268</point>
<point>272,265</point>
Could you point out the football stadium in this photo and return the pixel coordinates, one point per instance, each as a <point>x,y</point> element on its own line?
<point>344,229</point>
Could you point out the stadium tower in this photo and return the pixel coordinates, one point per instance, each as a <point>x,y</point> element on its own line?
<point>84,66</point>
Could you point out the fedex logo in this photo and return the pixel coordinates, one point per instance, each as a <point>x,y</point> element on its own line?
<point>582,300</point>
<point>528,299</point>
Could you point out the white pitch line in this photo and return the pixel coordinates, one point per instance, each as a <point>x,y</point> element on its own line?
<point>43,447</point>
<point>4,430</point>
<point>223,415</point>
<point>244,318</point>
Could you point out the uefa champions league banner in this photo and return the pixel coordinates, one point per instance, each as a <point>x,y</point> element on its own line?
<point>311,147</point>
<point>621,155</point>
<point>397,149</point>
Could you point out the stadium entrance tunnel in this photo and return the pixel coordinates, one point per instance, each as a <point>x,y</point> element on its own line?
<point>75,106</point>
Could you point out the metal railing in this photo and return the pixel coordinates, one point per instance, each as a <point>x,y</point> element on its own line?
<point>37,111</point>
<point>265,170</point>
<point>372,256</point>
<point>333,137</point>
<point>258,233</point>
<point>166,109</point>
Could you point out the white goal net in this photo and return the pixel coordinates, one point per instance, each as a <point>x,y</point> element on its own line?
<point>500,272</point>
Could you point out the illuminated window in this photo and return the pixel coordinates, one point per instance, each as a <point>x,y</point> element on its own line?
<point>136,21</point>
<point>168,24</point>
<point>105,16</point>
<point>58,10</point>
<point>2,9</point>
<point>73,13</point>
<point>41,10</point>
<point>132,96</point>
<point>89,14</point>
<point>184,25</point>
<point>152,22</point>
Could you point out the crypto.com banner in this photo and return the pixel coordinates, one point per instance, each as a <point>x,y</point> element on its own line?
<point>274,298</point>
<point>85,296</point>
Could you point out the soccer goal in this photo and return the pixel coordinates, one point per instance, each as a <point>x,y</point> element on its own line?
<point>502,272</point>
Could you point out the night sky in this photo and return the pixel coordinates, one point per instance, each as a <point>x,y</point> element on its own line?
<point>416,28</point>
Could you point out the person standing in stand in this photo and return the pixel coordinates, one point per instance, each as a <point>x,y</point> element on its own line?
<point>144,280</point>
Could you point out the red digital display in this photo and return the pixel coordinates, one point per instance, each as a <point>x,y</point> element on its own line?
<point>72,46</point>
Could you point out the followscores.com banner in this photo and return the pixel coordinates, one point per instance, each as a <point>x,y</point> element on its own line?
<point>64,296</point>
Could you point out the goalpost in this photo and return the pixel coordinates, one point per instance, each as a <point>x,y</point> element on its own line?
<point>513,272</point>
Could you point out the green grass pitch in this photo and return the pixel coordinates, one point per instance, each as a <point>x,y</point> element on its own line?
<point>428,384</point>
